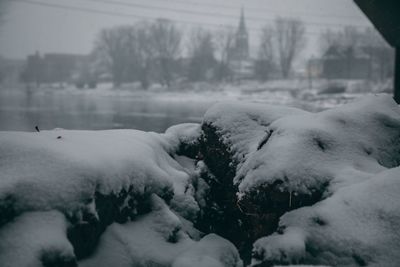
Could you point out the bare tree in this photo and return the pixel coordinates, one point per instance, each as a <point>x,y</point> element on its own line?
<point>202,58</point>
<point>224,43</point>
<point>142,52</point>
<point>114,48</point>
<point>265,63</point>
<point>144,56</point>
<point>290,38</point>
<point>166,40</point>
<point>347,37</point>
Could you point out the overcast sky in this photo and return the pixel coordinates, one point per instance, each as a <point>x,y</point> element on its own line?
<point>71,26</point>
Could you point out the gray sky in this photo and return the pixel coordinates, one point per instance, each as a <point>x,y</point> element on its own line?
<point>29,27</point>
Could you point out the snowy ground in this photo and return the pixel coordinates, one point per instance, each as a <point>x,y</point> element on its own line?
<point>306,188</point>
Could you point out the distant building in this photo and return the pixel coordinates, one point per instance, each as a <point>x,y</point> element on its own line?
<point>361,62</point>
<point>54,67</point>
<point>10,70</point>
<point>240,51</point>
<point>345,62</point>
<point>315,68</point>
<point>241,64</point>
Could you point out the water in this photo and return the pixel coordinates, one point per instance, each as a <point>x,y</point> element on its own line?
<point>22,111</point>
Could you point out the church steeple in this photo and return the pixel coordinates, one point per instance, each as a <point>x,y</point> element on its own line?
<point>242,39</point>
<point>242,24</point>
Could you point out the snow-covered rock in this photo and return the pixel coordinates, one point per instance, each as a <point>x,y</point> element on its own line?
<point>299,150</point>
<point>278,159</point>
<point>211,251</point>
<point>357,226</point>
<point>159,239</point>
<point>36,239</point>
<point>307,157</point>
<point>65,195</point>
<point>305,188</point>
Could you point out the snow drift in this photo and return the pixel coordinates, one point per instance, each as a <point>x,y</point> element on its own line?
<point>67,195</point>
<point>305,188</point>
<point>278,159</point>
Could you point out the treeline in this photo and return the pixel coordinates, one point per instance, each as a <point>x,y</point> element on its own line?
<point>160,52</point>
<point>142,52</point>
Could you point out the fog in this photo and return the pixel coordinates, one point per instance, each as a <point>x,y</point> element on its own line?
<point>31,26</point>
<point>105,64</point>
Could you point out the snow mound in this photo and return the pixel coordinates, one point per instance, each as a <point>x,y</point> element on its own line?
<point>66,194</point>
<point>358,226</point>
<point>307,188</point>
<point>241,126</point>
<point>265,161</point>
<point>304,158</point>
<point>159,239</point>
<point>36,239</point>
<point>64,169</point>
<point>211,251</point>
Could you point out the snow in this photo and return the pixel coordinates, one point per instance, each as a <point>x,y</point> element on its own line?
<point>241,126</point>
<point>186,133</point>
<point>339,145</point>
<point>26,240</point>
<point>287,249</point>
<point>50,181</point>
<point>332,168</point>
<point>159,239</point>
<point>211,251</point>
<point>358,225</point>
<point>336,172</point>
<point>66,171</point>
<point>142,242</point>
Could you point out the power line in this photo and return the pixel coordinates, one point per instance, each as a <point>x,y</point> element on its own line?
<point>130,15</point>
<point>209,14</point>
<point>259,9</point>
<point>111,13</point>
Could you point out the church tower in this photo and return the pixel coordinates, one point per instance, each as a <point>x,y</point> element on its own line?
<point>242,40</point>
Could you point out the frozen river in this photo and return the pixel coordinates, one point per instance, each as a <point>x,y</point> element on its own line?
<point>22,111</point>
<point>107,108</point>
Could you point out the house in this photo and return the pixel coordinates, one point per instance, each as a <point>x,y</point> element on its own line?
<point>10,70</point>
<point>54,67</point>
<point>345,62</point>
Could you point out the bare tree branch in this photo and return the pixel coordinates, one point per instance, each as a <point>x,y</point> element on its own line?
<point>290,42</point>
